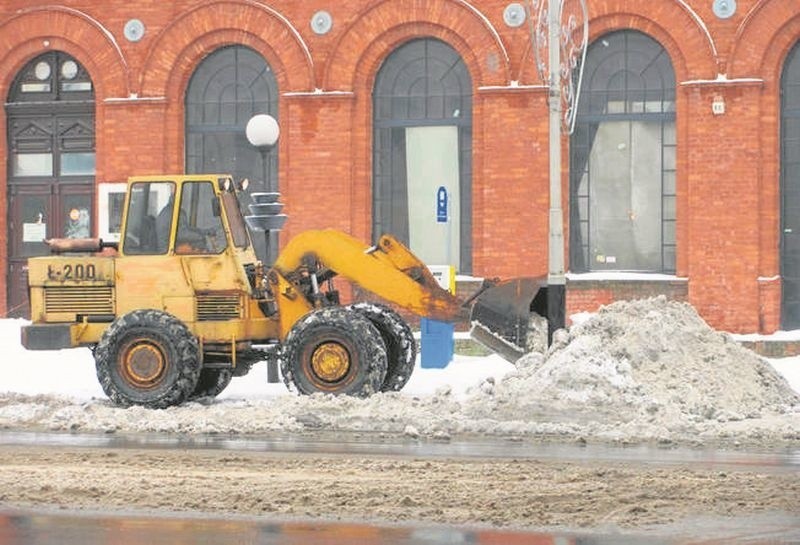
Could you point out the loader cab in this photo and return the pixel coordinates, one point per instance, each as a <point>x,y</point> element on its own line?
<point>185,250</point>
<point>183,215</point>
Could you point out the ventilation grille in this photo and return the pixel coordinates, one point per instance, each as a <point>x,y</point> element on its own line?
<point>212,307</point>
<point>79,300</point>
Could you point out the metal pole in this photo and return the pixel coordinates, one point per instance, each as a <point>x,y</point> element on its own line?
<point>268,186</point>
<point>270,237</point>
<point>556,279</point>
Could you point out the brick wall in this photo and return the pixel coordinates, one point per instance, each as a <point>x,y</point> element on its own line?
<point>728,166</point>
<point>590,295</point>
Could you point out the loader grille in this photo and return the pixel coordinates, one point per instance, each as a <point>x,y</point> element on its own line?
<point>212,307</point>
<point>89,300</point>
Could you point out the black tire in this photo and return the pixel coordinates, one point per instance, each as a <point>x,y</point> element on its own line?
<point>211,383</point>
<point>401,348</point>
<point>149,358</point>
<point>334,350</point>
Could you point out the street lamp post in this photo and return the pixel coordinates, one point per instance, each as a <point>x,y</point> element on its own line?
<point>556,279</point>
<point>564,32</point>
<point>262,132</point>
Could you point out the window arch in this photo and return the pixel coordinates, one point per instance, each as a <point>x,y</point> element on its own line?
<point>790,190</point>
<point>230,86</point>
<point>422,122</point>
<point>622,158</point>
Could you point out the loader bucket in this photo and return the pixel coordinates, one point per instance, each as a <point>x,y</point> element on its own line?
<point>501,315</point>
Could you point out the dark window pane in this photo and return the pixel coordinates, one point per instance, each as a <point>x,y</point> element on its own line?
<point>669,259</point>
<point>669,208</point>
<point>77,86</point>
<point>669,237</point>
<point>76,212</point>
<point>77,163</point>
<point>32,164</point>
<point>114,205</point>
<point>669,157</point>
<point>199,223</point>
<point>790,191</point>
<point>35,87</point>
<point>149,218</point>
<point>669,182</point>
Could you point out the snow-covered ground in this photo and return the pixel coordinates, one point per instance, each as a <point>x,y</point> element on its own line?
<point>638,371</point>
<point>789,368</point>
<point>71,373</point>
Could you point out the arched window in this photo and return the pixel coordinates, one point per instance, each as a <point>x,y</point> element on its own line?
<point>51,162</point>
<point>230,86</point>
<point>790,191</point>
<point>622,158</point>
<point>422,153</point>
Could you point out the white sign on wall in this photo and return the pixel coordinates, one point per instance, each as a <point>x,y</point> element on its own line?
<point>34,232</point>
<point>445,275</point>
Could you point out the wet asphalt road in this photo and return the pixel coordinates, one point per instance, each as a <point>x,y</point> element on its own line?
<point>777,460</point>
<point>43,527</point>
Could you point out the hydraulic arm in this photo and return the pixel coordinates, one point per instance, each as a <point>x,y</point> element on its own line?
<point>387,269</point>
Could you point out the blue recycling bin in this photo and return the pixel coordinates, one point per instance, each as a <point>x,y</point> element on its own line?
<point>436,343</point>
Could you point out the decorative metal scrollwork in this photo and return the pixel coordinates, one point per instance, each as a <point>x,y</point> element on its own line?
<point>573,43</point>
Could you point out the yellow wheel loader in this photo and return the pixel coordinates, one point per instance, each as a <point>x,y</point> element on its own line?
<point>182,304</point>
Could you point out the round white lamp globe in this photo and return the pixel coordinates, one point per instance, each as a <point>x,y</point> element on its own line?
<point>262,131</point>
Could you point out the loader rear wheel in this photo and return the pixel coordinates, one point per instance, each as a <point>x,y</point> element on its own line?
<point>334,350</point>
<point>148,358</point>
<point>211,383</point>
<point>401,348</point>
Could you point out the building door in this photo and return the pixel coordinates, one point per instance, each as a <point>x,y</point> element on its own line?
<point>790,192</point>
<point>51,164</point>
<point>422,127</point>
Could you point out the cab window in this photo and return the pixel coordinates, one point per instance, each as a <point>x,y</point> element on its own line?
<point>149,218</point>
<point>199,221</point>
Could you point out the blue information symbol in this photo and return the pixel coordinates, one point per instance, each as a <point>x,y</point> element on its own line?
<point>441,205</point>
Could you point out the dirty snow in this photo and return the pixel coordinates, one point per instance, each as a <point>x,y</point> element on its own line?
<point>640,371</point>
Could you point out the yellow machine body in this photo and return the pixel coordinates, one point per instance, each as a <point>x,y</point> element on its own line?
<point>75,296</point>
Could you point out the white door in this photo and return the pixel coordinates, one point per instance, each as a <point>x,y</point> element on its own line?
<point>431,164</point>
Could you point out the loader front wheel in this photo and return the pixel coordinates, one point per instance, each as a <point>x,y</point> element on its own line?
<point>401,348</point>
<point>334,350</point>
<point>148,358</point>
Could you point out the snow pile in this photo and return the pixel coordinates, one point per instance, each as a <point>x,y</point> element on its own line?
<point>650,362</point>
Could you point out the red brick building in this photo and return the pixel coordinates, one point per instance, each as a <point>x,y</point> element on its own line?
<point>684,167</point>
